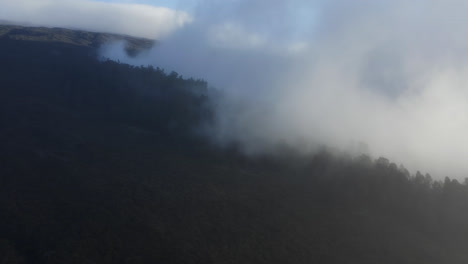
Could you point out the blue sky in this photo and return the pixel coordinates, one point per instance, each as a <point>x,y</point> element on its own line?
<point>145,2</point>
<point>174,4</point>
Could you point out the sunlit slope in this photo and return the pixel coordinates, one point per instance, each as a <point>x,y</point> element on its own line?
<point>75,37</point>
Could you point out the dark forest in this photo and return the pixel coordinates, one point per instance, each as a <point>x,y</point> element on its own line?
<point>103,162</point>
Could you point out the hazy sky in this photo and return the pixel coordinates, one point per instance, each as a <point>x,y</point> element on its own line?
<point>390,74</point>
<point>137,18</point>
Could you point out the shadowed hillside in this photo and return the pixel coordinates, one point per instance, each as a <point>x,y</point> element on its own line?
<point>102,162</point>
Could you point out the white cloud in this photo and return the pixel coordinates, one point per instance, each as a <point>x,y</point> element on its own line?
<point>123,18</point>
<point>230,35</point>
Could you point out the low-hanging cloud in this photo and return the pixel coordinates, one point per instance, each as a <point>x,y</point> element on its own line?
<point>390,74</point>
<point>122,18</point>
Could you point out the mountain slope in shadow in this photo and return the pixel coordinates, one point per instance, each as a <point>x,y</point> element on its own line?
<point>103,162</point>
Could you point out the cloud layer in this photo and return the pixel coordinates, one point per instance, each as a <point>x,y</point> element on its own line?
<point>123,18</point>
<point>391,75</point>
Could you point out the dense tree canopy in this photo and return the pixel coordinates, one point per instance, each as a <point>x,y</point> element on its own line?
<point>99,164</point>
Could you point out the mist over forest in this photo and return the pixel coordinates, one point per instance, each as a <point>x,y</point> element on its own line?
<point>235,132</point>
<point>304,73</point>
<point>336,74</point>
<point>105,162</point>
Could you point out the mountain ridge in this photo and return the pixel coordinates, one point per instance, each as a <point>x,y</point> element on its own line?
<point>82,38</point>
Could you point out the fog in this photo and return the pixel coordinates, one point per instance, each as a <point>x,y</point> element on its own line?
<point>386,78</point>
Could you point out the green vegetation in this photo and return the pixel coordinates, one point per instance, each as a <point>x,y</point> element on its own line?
<point>73,37</point>
<point>101,163</point>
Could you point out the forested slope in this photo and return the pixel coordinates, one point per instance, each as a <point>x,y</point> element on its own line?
<point>101,163</point>
<point>80,38</point>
